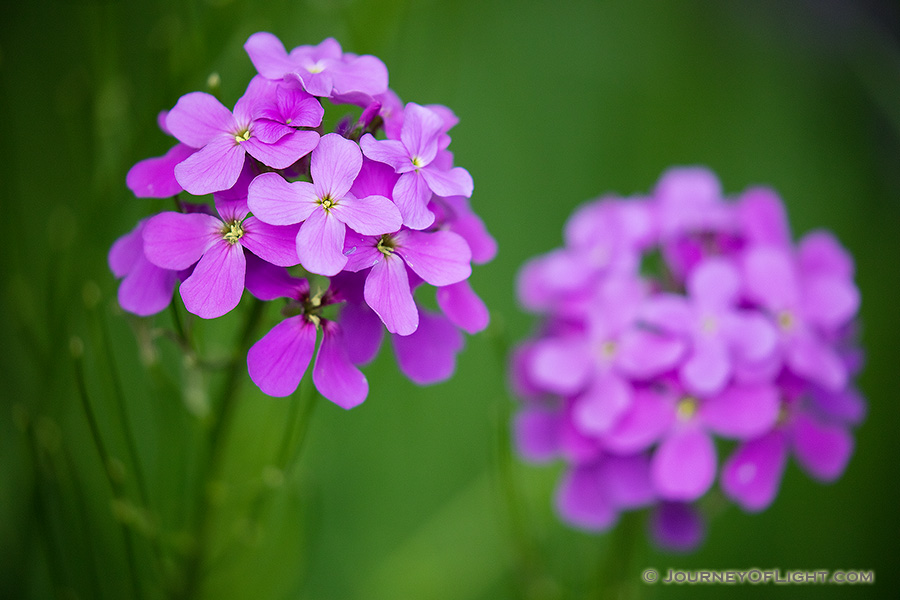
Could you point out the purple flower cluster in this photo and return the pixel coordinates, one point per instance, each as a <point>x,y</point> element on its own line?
<point>344,225</point>
<point>678,326</point>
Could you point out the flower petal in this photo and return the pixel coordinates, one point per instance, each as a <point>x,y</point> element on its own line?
<point>372,215</point>
<point>684,465</point>
<point>751,476</point>
<point>155,177</point>
<point>463,306</point>
<point>602,404</point>
<point>277,202</point>
<point>276,363</point>
<point>583,499</point>
<point>411,195</point>
<point>390,152</point>
<point>217,283</point>
<point>320,244</point>
<point>536,432</point>
<point>742,412</point>
<point>335,163</point>
<point>276,244</point>
<point>439,257</point>
<point>176,241</point>
<point>268,55</point>
<point>284,152</point>
<point>335,376</point>
<point>388,293</point>
<point>428,355</point>
<point>455,182</point>
<point>213,168</point>
<point>197,118</point>
<point>823,450</point>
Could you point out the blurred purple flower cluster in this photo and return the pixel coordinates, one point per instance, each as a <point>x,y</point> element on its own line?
<point>676,327</point>
<point>372,219</point>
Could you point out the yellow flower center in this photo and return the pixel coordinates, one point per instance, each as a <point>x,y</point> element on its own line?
<point>232,232</point>
<point>386,245</point>
<point>686,409</point>
<point>242,136</point>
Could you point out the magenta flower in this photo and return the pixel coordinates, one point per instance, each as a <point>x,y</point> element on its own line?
<point>324,70</point>
<point>325,207</point>
<point>155,177</point>
<point>440,258</point>
<point>225,139</point>
<point>145,289</point>
<point>808,305</point>
<point>412,156</point>
<point>216,244</point>
<point>719,332</point>
<point>673,321</point>
<point>277,362</point>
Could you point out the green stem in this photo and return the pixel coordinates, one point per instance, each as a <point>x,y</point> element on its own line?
<point>617,576</point>
<point>107,462</point>
<point>211,471</point>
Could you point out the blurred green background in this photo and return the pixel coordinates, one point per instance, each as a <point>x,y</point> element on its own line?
<point>413,494</point>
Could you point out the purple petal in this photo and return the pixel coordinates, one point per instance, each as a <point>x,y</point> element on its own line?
<point>335,163</point>
<point>366,74</point>
<point>335,376</point>
<point>752,335</point>
<point>583,499</point>
<point>714,283</point>
<point>643,354</point>
<point>770,278</point>
<point>215,167</point>
<point>544,280</point>
<point>372,215</point>
<point>388,293</point>
<point>455,182</point>
<point>707,369</point>
<point>419,134</point>
<point>830,302</point>
<point>411,195</point>
<point>146,289</point>
<point>217,283</point>
<point>176,241</point>
<point>198,118</point>
<point>276,244</point>
<point>363,332</point>
<point>374,179</point>
<point>561,365</point>
<point>155,177</point>
<point>751,476</point>
<point>268,55</point>
<point>823,450</point>
<point>847,406</point>
<point>668,312</point>
<point>819,253</point>
<point>428,355</point>
<point>320,244</point>
<point>283,153</point>
<point>628,481</point>
<point>602,404</point>
<point>742,412</point>
<point>677,527</point>
<point>127,250</point>
<point>389,152</point>
<point>277,202</point>
<point>648,418</point>
<point>810,356</point>
<point>472,229</point>
<point>463,306</point>
<point>536,432</point>
<point>276,363</point>
<point>763,218</point>
<point>684,465</point>
<point>267,282</point>
<point>361,251</point>
<point>439,257</point>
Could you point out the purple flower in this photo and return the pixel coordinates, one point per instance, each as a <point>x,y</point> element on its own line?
<point>216,244</point>
<point>440,258</point>
<point>277,362</point>
<point>325,207</point>
<point>719,332</point>
<point>670,322</point>
<point>224,139</point>
<point>145,289</point>
<point>428,355</point>
<point>322,70</point>
<point>412,156</point>
<point>807,306</point>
